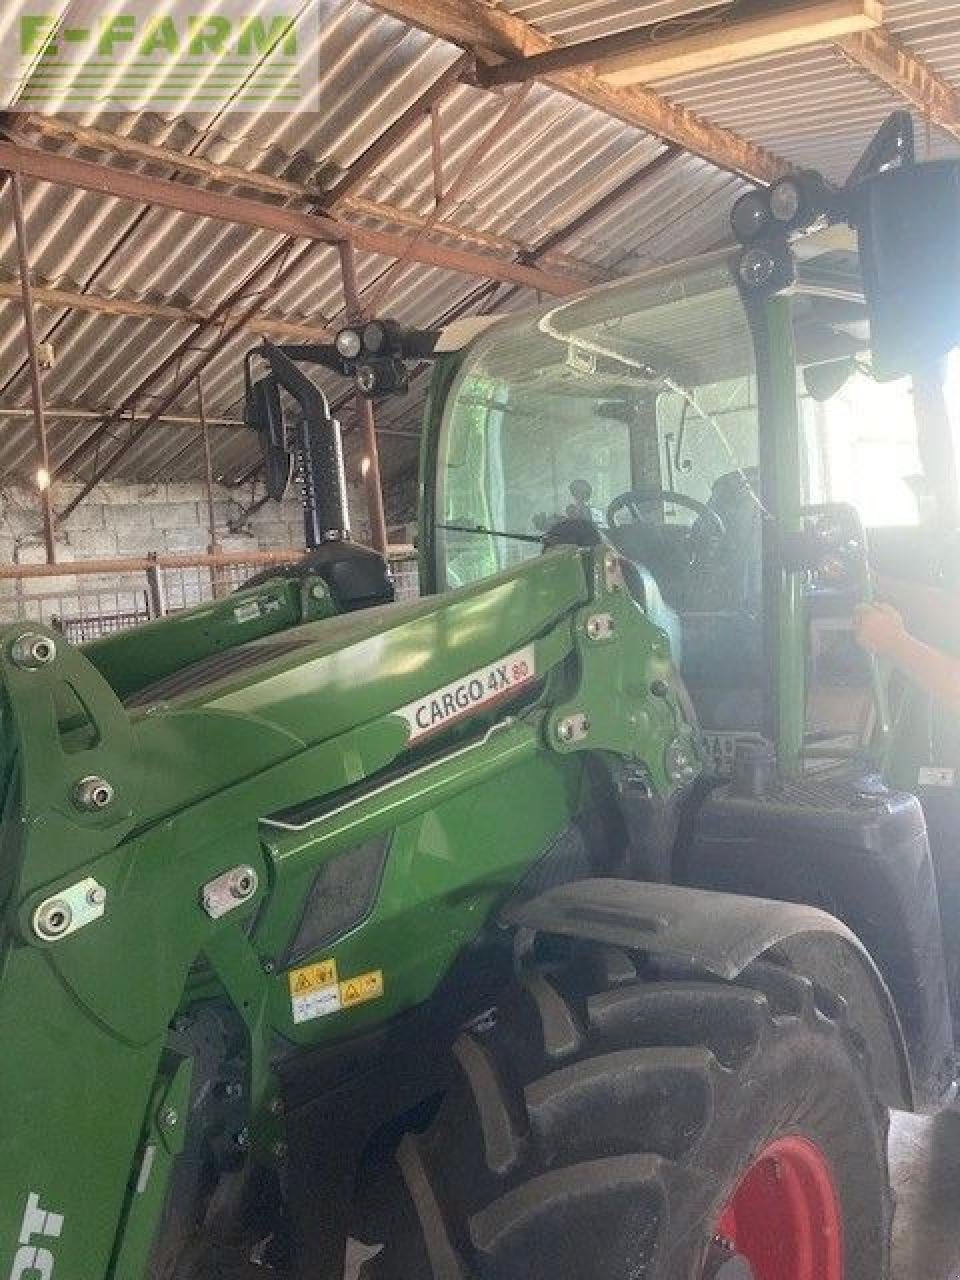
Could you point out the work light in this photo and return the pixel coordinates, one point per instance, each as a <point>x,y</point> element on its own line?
<point>375,338</point>
<point>785,200</point>
<point>349,343</point>
<point>750,217</point>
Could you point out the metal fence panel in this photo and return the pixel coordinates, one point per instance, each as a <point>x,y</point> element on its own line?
<point>94,604</point>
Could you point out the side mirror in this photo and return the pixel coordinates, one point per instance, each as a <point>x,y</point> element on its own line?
<point>263,413</point>
<point>908,223</point>
<point>311,444</point>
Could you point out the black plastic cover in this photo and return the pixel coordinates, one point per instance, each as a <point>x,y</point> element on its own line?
<point>859,852</point>
<point>357,576</point>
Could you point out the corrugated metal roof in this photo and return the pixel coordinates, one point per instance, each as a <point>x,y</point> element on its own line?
<point>931,29</point>
<point>558,157</point>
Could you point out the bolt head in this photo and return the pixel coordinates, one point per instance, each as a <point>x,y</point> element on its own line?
<point>169,1117</point>
<point>97,896</point>
<point>32,650</point>
<point>53,919</point>
<point>757,267</point>
<point>565,730</point>
<point>93,794</point>
<point>243,883</point>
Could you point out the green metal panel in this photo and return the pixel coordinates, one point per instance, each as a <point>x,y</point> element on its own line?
<point>168,1117</point>
<point>780,443</point>
<point>131,660</point>
<point>442,379</point>
<point>286,731</point>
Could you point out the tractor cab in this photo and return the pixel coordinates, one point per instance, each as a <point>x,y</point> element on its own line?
<point>630,416</point>
<point>761,449</point>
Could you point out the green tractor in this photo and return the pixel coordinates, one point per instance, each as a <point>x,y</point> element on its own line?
<point>580,919</point>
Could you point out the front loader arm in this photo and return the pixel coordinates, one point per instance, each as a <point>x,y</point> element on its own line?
<point>159,861</point>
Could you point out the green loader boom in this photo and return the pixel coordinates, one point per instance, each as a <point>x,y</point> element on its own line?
<point>219,834</point>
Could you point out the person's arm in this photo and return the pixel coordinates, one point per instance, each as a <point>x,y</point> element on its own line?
<point>880,629</point>
<point>930,610</point>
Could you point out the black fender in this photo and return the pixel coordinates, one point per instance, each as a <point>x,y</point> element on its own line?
<point>722,933</point>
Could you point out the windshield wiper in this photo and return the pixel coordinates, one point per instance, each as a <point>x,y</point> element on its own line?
<point>493,533</point>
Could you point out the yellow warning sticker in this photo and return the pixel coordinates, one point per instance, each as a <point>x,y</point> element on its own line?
<point>312,977</point>
<point>364,987</point>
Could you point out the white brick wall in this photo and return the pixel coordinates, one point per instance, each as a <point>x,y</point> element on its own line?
<point>122,519</point>
<point>132,520</point>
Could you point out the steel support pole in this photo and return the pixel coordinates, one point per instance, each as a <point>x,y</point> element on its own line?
<point>212,547</point>
<point>364,407</point>
<point>436,154</point>
<point>33,360</point>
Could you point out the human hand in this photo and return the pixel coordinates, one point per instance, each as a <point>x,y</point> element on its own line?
<point>879,628</point>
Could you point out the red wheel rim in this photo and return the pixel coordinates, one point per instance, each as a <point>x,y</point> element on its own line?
<point>784,1217</point>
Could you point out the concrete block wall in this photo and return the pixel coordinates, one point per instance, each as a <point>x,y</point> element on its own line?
<point>133,520</point>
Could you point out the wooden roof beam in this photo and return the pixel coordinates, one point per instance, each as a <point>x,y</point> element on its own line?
<point>771,30</point>
<point>909,76</point>
<point>703,41</point>
<point>497,34</point>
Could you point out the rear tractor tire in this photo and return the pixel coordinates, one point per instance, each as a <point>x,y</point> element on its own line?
<point>648,1128</point>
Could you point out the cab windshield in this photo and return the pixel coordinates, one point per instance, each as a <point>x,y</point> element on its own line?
<point>632,413</point>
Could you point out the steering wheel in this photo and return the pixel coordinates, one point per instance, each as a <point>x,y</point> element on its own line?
<point>635,500</point>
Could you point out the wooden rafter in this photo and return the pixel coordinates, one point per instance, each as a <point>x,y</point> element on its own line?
<point>763,34</point>
<point>907,74</point>
<point>701,41</point>
<point>494,32</point>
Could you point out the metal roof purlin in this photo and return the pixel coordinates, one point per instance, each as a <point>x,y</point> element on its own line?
<point>115,144</point>
<point>200,202</point>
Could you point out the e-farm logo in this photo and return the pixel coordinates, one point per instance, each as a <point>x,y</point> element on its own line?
<point>188,55</point>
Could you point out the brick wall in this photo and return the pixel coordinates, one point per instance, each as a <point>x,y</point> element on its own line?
<point>123,519</point>
<point>132,520</point>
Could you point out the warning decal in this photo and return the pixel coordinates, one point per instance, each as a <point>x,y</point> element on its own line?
<point>312,977</point>
<point>364,987</point>
<point>314,991</point>
<point>472,692</point>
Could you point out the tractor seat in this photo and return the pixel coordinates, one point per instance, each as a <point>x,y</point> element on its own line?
<point>720,607</point>
<point>727,574</point>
